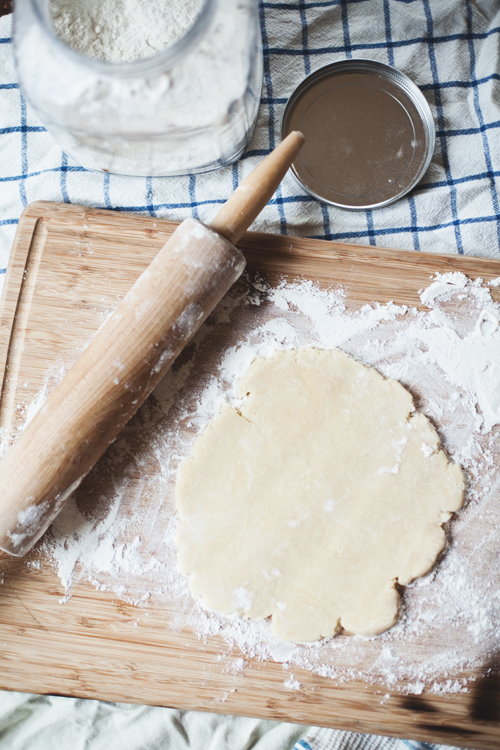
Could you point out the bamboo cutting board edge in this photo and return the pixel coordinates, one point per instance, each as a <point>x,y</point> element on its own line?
<point>111,651</point>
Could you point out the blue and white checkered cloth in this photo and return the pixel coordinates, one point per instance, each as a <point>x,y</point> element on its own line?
<point>450,48</point>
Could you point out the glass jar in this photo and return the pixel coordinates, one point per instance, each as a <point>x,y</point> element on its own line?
<point>190,108</point>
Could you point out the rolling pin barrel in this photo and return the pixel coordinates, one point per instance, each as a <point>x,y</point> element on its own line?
<point>127,358</point>
<point>113,376</point>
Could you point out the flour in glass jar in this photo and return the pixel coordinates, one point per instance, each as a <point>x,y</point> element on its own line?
<point>121,30</point>
<point>157,89</point>
<point>448,356</point>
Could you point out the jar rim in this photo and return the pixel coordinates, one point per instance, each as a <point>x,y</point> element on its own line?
<point>136,68</point>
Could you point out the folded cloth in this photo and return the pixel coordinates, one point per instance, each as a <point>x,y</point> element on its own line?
<point>49,722</point>
<point>451,49</point>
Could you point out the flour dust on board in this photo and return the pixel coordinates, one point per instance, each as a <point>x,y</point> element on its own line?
<point>118,530</point>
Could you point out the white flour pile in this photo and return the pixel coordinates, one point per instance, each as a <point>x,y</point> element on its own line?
<point>121,30</point>
<point>118,529</point>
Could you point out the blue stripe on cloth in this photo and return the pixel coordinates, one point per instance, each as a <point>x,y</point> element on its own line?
<point>256,152</point>
<point>4,222</point>
<point>170,206</point>
<point>105,189</point>
<point>4,86</point>
<point>407,229</point>
<point>390,56</point>
<point>303,21</point>
<point>477,107</point>
<point>307,199</point>
<point>371,228</point>
<point>24,152</point>
<point>423,87</point>
<point>6,40</point>
<point>429,39</point>
<point>326,220</point>
<point>235,175</point>
<point>276,100</point>
<point>63,180</point>
<point>456,180</point>
<point>483,127</point>
<point>472,83</point>
<point>415,745</point>
<point>345,29</point>
<point>460,84</point>
<point>293,6</point>
<point>262,152</point>
<point>22,129</point>
<point>279,202</point>
<point>427,87</point>
<point>272,117</point>
<point>15,178</point>
<point>418,188</point>
<point>149,196</point>
<point>441,120</point>
<point>303,745</point>
<point>388,32</point>
<point>413,213</point>
<point>192,196</point>
<point>267,76</point>
<point>3,270</point>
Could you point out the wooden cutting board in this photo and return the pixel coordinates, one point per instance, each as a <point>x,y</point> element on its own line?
<point>68,269</point>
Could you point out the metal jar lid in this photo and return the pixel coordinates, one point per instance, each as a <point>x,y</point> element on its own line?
<point>369,134</point>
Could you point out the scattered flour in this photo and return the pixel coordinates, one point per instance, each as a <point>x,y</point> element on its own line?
<point>118,528</point>
<point>292,684</point>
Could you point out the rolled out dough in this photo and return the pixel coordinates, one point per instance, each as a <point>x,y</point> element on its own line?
<point>315,498</point>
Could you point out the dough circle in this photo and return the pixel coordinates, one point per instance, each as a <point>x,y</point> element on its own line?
<point>314,498</point>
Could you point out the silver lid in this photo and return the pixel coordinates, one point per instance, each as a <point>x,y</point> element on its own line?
<point>369,134</point>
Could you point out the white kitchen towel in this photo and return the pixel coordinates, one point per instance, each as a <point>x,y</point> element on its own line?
<point>32,722</point>
<point>451,49</point>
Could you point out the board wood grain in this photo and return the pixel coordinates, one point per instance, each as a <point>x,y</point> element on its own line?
<point>69,268</point>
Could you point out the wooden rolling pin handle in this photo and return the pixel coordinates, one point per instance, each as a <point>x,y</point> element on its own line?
<point>111,379</point>
<point>256,190</point>
<point>127,358</point>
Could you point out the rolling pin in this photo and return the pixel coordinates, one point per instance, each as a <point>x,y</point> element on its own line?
<point>127,357</point>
